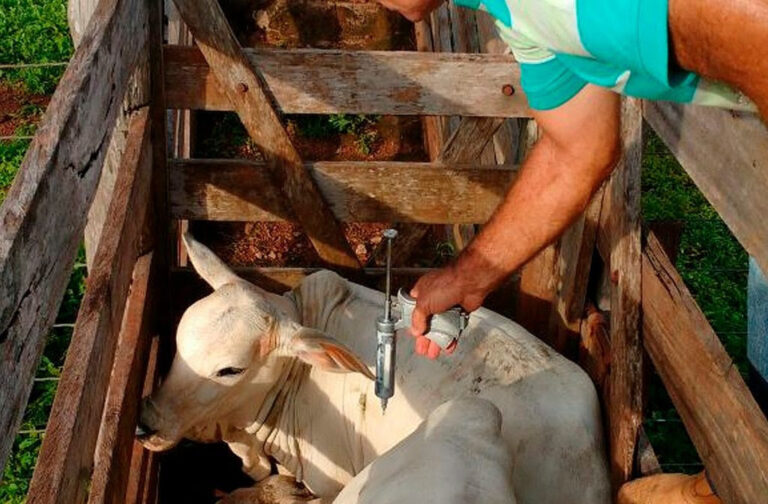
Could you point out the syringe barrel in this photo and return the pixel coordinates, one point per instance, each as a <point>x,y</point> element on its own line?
<point>385,358</point>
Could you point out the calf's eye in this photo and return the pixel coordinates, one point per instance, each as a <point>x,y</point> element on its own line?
<point>229,371</point>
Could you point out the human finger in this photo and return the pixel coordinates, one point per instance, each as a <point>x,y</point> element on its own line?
<point>433,351</point>
<point>422,345</point>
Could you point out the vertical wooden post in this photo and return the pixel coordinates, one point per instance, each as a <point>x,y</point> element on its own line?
<point>79,14</point>
<point>623,221</point>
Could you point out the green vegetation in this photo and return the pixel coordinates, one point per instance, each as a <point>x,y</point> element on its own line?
<point>11,154</point>
<point>21,464</point>
<point>360,126</point>
<point>714,267</point>
<point>34,31</point>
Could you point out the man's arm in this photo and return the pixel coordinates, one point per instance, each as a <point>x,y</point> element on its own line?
<point>579,146</point>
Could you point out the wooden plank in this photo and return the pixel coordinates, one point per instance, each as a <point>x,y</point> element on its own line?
<point>66,457</point>
<point>469,140</point>
<point>143,474</point>
<point>121,409</point>
<point>322,81</point>
<point>79,13</point>
<point>235,190</point>
<point>506,139</point>
<point>625,406</point>
<point>38,240</point>
<point>721,416</point>
<point>247,92</point>
<point>432,126</point>
<point>464,146</point>
<point>576,251</point>
<point>726,155</point>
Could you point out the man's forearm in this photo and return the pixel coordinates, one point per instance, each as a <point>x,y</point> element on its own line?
<point>552,190</point>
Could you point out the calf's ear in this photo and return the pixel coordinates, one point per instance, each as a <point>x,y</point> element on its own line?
<point>211,268</point>
<point>318,349</point>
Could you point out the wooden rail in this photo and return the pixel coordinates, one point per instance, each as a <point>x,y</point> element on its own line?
<point>232,190</point>
<point>43,216</point>
<point>721,416</point>
<point>314,81</point>
<point>62,474</point>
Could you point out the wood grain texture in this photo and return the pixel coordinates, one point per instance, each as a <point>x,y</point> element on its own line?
<point>464,146</point>
<point>64,466</point>
<point>315,81</point>
<point>246,91</point>
<point>576,250</point>
<point>79,13</point>
<point>356,191</point>
<point>432,127</point>
<point>114,447</point>
<point>43,216</point>
<point>625,405</point>
<point>143,474</point>
<point>726,154</point>
<point>469,140</point>
<point>721,416</point>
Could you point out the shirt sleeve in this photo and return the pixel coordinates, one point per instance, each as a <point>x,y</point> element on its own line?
<point>547,82</point>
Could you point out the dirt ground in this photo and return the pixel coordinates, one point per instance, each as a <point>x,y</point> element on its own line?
<point>18,108</point>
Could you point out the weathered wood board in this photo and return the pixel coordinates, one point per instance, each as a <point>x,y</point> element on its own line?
<point>314,81</point>
<point>356,191</point>
<point>726,155</point>
<point>720,414</point>
<point>110,476</point>
<point>62,474</point>
<point>38,240</point>
<point>622,204</point>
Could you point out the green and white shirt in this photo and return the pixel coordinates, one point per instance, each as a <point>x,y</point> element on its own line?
<point>562,45</point>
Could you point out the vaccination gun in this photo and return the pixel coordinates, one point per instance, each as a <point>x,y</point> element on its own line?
<point>442,328</point>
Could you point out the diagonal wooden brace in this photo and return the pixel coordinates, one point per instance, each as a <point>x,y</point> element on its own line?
<point>247,93</point>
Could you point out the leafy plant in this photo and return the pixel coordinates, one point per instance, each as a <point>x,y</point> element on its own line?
<point>366,140</point>
<point>11,155</point>
<point>34,31</point>
<point>321,126</point>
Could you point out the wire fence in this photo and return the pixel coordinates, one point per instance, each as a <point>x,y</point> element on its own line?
<point>22,66</point>
<point>15,138</point>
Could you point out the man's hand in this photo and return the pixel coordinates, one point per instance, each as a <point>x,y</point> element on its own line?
<point>578,149</point>
<point>437,292</point>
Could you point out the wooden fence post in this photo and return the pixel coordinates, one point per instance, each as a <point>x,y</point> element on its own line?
<point>625,406</point>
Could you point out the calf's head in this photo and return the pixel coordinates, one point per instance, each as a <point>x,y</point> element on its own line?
<point>231,348</point>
